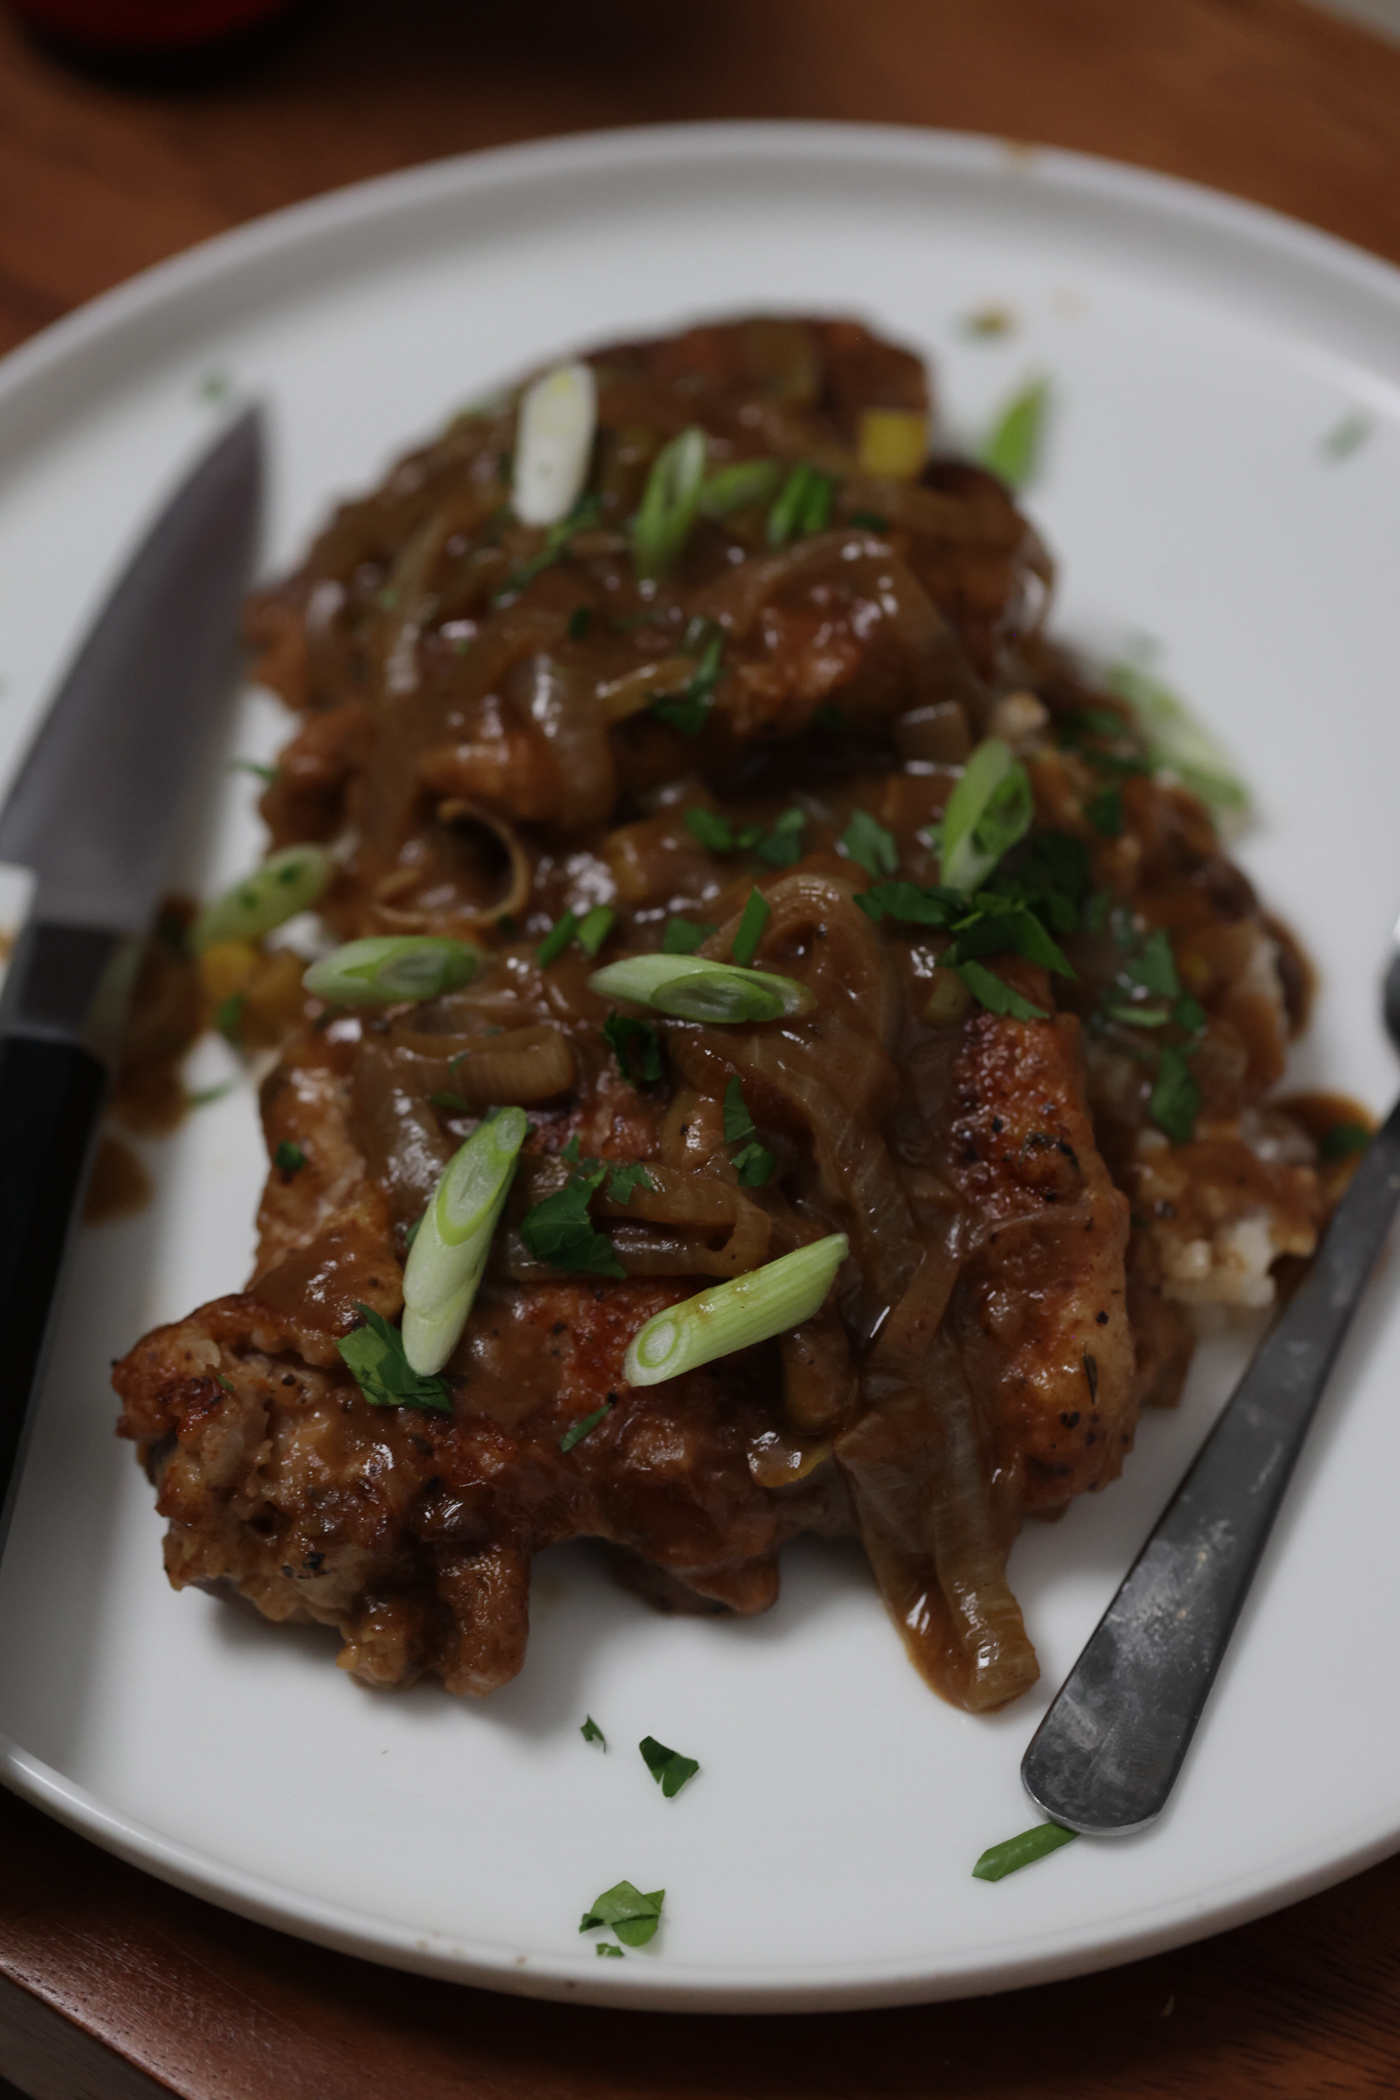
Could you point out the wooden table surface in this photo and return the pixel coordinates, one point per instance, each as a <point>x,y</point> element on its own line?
<point>112,1985</point>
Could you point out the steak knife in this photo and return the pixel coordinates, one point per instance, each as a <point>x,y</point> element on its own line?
<point>93,815</point>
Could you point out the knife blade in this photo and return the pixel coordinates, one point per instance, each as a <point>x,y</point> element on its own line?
<point>93,814</point>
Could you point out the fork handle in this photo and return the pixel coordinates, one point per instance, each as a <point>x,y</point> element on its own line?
<point>1107,1754</point>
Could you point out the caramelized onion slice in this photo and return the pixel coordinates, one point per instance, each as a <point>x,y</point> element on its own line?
<point>520,1066</point>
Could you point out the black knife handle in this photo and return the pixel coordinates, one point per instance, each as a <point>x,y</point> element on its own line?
<point>51,1095</point>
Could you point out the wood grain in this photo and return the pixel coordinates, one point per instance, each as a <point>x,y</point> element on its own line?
<point>113,1987</point>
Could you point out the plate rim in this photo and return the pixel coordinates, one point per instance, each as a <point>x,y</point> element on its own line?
<point>96,329</point>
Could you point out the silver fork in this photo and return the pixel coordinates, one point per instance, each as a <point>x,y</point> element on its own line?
<point>1107,1754</point>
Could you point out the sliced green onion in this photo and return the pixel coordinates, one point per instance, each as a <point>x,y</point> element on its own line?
<point>803,507</point>
<point>735,1315</point>
<point>554,444</point>
<point>286,883</point>
<point>1012,446</point>
<point>670,504</point>
<point>594,928</point>
<point>691,988</point>
<point>387,969</point>
<point>556,940</point>
<point>732,488</point>
<point>757,912</point>
<point>448,1256</point>
<point>1021,1851</point>
<point>1177,741</point>
<point>988,811</point>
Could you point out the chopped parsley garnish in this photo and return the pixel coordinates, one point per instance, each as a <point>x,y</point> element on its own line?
<point>714,832</point>
<point>996,995</point>
<point>689,710</point>
<point>991,922</point>
<point>1146,993</point>
<point>594,928</point>
<point>624,1181</point>
<point>228,1016</point>
<point>683,937</point>
<point>780,847</point>
<point>1105,812</point>
<point>1022,1851</point>
<point>289,1159</point>
<point>738,1123</point>
<point>1153,966</point>
<point>559,1230</point>
<point>870,521</point>
<point>253,766</point>
<point>584,517</point>
<point>1343,1141</point>
<point>754,1166</point>
<point>783,844</point>
<point>667,1767</point>
<point>576,1435</point>
<point>591,1732</point>
<point>632,1916</point>
<point>580,620</point>
<point>636,1046</point>
<point>556,940</point>
<point>375,1355</point>
<point>607,1947</point>
<point>1175,1097</point>
<point>756,915</point>
<point>452,1103</point>
<point>870,846</point>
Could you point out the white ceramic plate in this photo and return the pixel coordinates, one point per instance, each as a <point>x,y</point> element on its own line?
<point>1200,352</point>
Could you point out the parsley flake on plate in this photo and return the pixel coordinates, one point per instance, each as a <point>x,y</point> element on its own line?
<point>668,1768</point>
<point>632,1916</point>
<point>591,1732</point>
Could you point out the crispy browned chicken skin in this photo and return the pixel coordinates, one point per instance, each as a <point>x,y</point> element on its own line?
<point>479,726</point>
